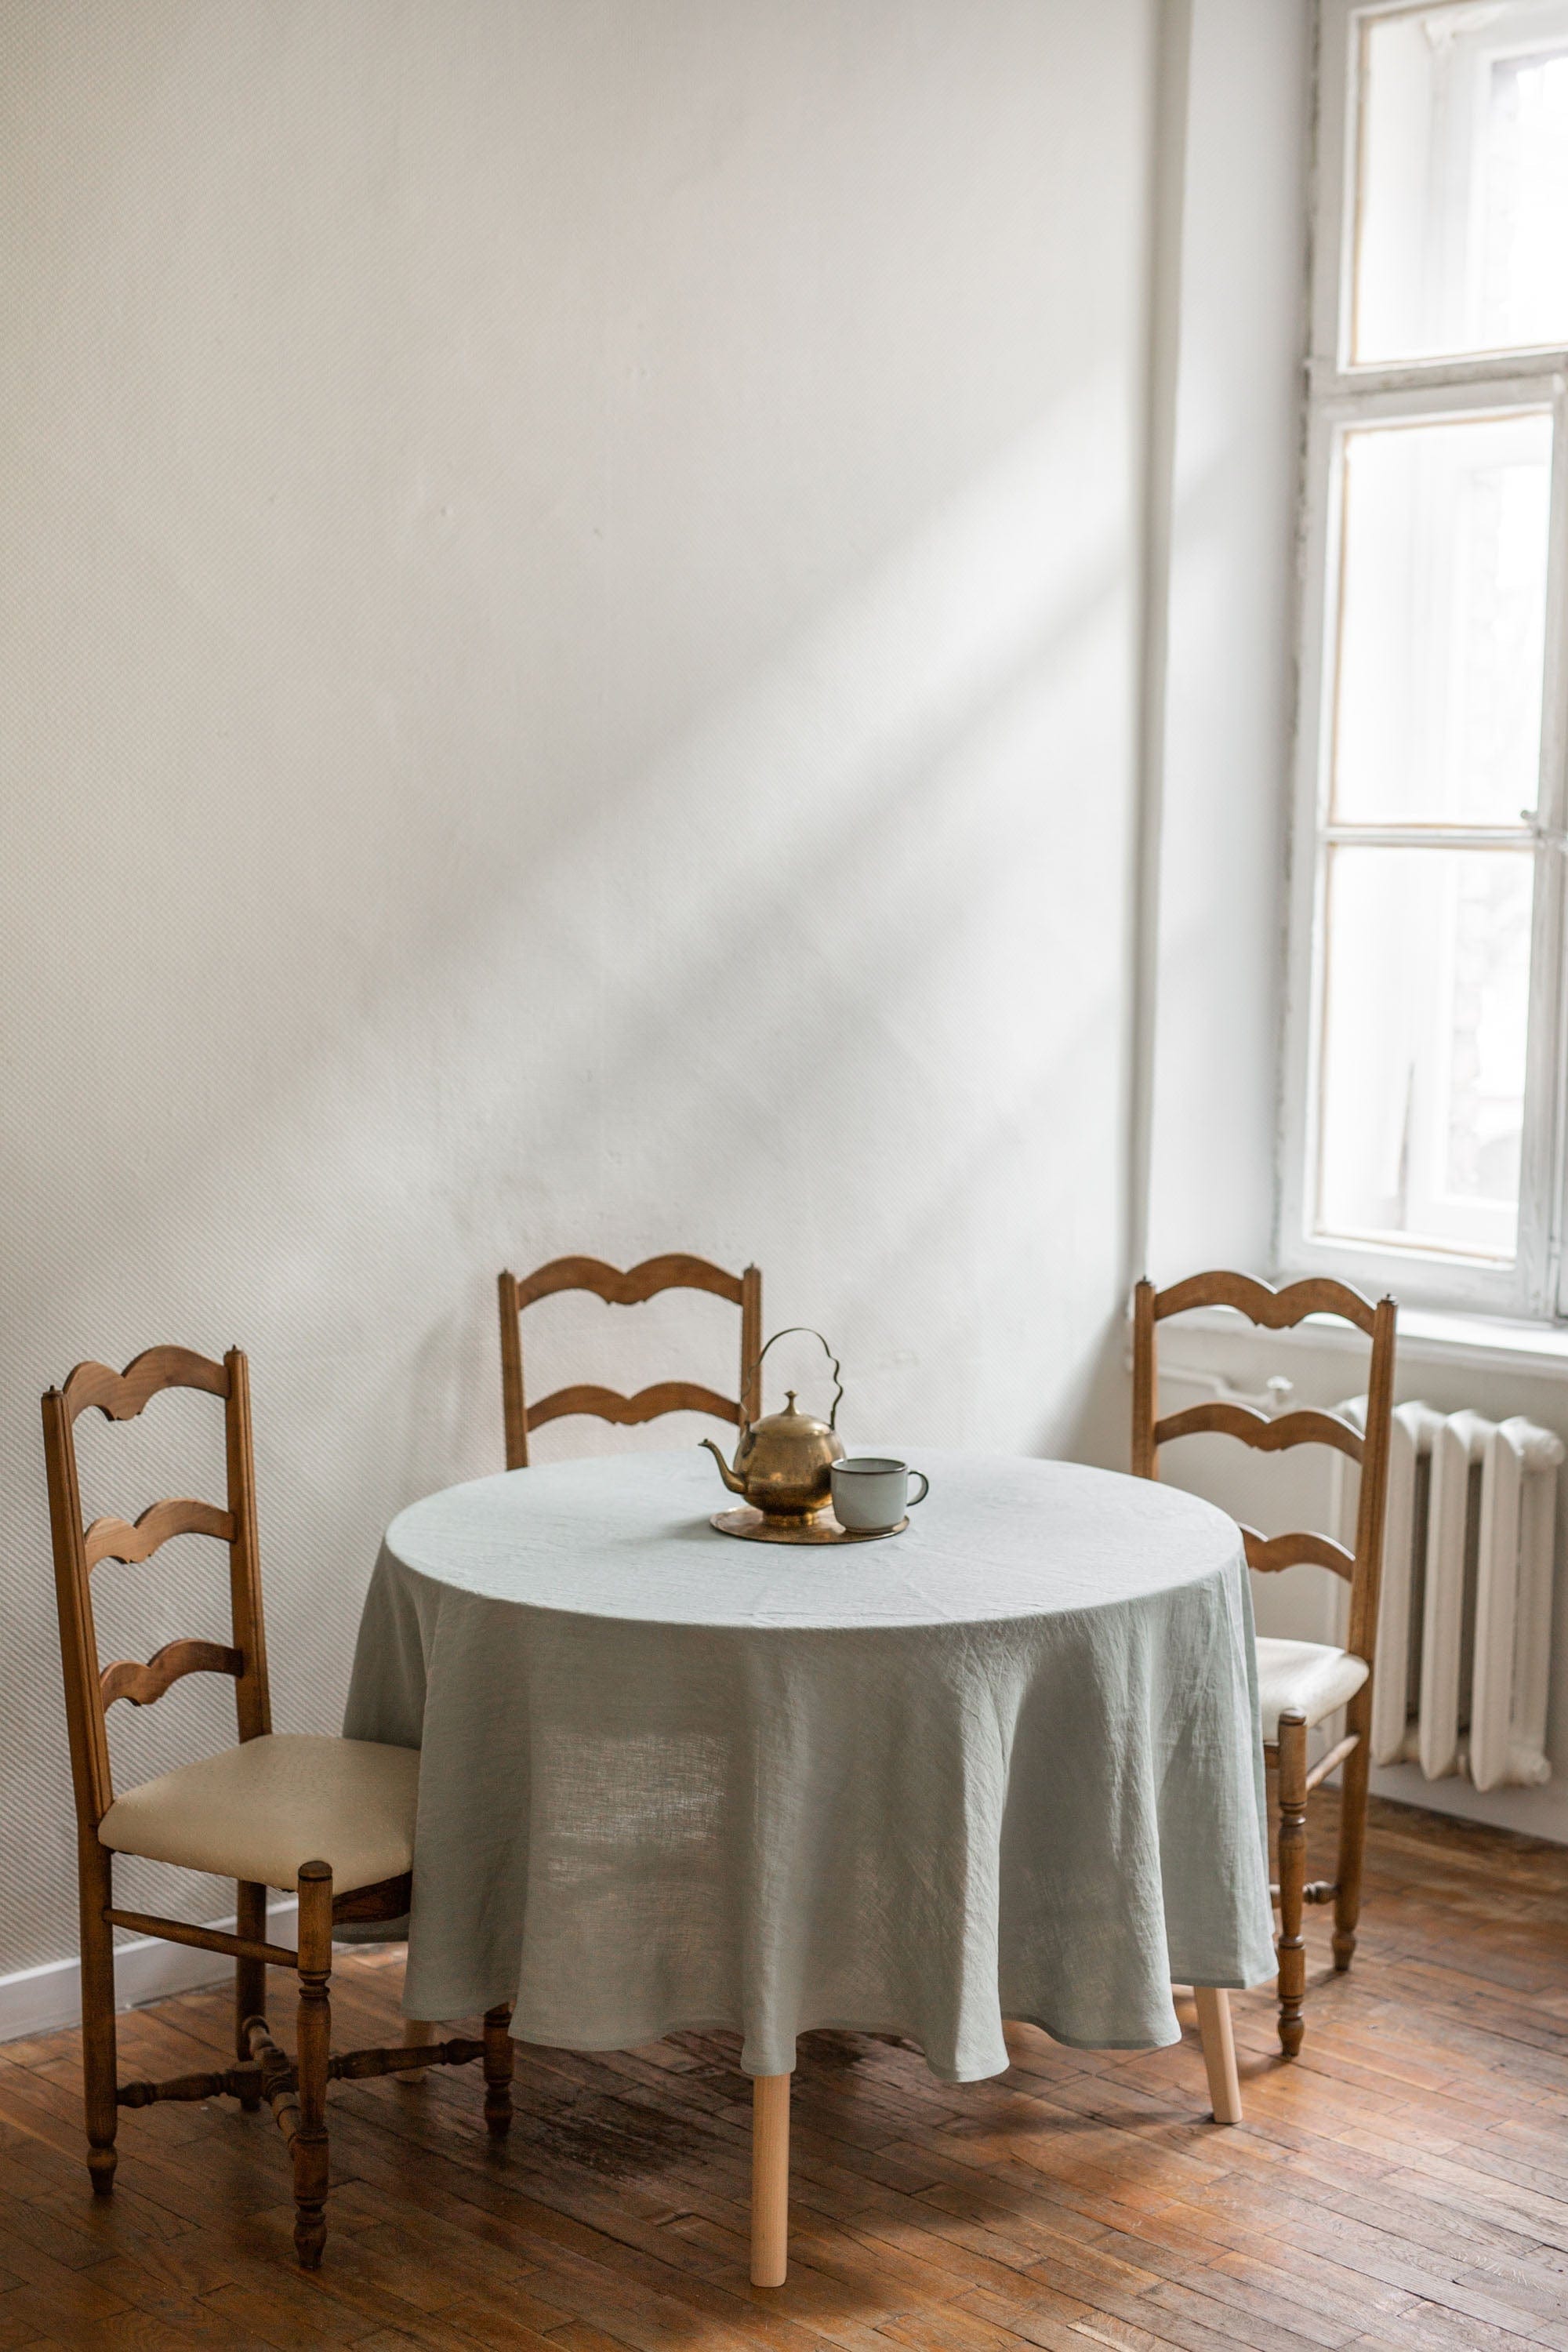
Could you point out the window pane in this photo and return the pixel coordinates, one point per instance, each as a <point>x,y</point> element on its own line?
<point>1442,621</point>
<point>1425,1007</point>
<point>1463,242</point>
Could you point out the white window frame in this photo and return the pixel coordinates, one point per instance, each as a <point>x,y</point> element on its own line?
<point>1342,395</point>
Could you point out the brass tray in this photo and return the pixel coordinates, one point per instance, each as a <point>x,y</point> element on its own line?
<point>753,1528</point>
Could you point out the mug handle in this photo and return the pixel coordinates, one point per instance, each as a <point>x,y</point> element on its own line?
<point>925,1489</point>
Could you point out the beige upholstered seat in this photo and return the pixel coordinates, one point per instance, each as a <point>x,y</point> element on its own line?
<point>1304,1676</point>
<point>261,1809</point>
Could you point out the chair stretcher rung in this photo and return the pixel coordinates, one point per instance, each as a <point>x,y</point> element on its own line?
<point>242,2082</point>
<point>408,2057</point>
<point>1326,1764</point>
<point>205,1939</point>
<point>269,2072</point>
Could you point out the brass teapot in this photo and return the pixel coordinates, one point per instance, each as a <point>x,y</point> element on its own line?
<point>784,1464</point>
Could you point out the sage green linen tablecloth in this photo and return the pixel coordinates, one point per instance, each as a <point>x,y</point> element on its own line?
<point>1005,1766</point>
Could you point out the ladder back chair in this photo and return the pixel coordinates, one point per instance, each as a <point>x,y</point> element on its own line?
<point>673,1272</point>
<point>1299,1683</point>
<point>331,1820</point>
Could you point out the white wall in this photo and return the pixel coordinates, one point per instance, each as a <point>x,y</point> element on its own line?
<point>574,686</point>
<point>1225,789</point>
<point>1229,669</point>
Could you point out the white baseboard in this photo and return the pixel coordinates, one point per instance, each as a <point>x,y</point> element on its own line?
<point>40,2000</point>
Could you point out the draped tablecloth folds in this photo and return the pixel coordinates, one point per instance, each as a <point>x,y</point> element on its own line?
<point>1006,1765</point>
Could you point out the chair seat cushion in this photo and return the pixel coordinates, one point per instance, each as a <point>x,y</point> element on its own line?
<point>1307,1677</point>
<point>262,1808</point>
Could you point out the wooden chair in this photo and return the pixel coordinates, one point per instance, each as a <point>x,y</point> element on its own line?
<point>331,1820</point>
<point>1299,1683</point>
<point>673,1272</point>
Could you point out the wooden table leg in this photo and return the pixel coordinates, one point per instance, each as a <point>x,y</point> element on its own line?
<point>415,2030</point>
<point>770,2179</point>
<point>1219,2051</point>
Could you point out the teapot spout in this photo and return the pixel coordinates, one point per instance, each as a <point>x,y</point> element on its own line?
<point>736,1486</point>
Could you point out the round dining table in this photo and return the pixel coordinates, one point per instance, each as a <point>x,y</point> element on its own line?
<point>1005,1765</point>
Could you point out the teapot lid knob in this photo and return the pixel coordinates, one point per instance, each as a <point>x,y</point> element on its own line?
<point>789,1400</point>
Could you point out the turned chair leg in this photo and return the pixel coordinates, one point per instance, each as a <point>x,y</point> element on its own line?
<point>1353,1827</point>
<point>1219,2052</point>
<point>249,1976</point>
<point>770,2179</point>
<point>1289,1944</point>
<point>315,2033</point>
<point>99,2064</point>
<point>499,2057</point>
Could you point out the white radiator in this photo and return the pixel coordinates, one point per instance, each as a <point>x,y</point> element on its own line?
<point>1464,1626</point>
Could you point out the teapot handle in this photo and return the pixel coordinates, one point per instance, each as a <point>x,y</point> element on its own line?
<point>789,1330</point>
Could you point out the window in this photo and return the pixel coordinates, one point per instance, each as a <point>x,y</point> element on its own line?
<point>1423,1135</point>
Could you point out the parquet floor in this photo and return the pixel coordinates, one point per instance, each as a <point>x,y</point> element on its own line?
<point>1404,2184</point>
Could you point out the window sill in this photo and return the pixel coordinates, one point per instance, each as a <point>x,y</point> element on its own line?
<point>1426,1336</point>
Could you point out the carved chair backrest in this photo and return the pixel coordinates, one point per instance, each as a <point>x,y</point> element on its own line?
<point>673,1272</point>
<point>1280,1310</point>
<point>78,1550</point>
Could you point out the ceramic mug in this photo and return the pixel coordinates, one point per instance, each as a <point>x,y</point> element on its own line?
<point>871,1493</point>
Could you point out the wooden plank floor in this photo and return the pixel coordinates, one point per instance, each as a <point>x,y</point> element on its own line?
<point>1404,2183</point>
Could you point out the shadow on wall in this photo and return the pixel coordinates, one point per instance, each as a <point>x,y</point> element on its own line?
<point>799,978</point>
<point>792,937</point>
